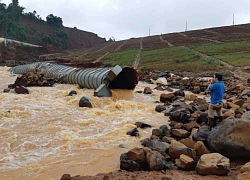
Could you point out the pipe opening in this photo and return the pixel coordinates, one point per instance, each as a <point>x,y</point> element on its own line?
<point>126,79</point>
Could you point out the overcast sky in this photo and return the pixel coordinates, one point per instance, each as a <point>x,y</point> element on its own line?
<point>124,19</point>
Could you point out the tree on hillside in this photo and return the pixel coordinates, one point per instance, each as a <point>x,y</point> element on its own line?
<point>9,20</point>
<point>2,7</point>
<point>15,10</point>
<point>54,21</point>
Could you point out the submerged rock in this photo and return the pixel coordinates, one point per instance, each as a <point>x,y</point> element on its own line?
<point>142,125</point>
<point>160,108</point>
<point>133,132</point>
<point>7,90</point>
<point>21,90</point>
<point>73,92</point>
<point>66,177</point>
<point>84,102</point>
<point>147,90</point>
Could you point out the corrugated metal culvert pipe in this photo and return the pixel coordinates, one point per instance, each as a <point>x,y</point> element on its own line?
<point>100,79</point>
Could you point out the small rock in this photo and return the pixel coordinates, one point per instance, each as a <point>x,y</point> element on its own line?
<point>245,168</point>
<point>232,105</point>
<point>164,129</point>
<point>156,145</point>
<point>66,177</point>
<point>6,90</point>
<point>147,90</point>
<point>121,146</point>
<point>21,90</point>
<point>200,148</point>
<point>238,102</point>
<point>162,81</point>
<point>246,106</point>
<point>73,92</point>
<point>137,154</point>
<point>179,93</point>
<point>84,102</point>
<point>167,139</point>
<point>181,133</point>
<point>185,163</point>
<point>166,178</point>
<point>166,97</point>
<point>191,125</point>
<point>133,132</point>
<point>202,134</point>
<point>142,125</point>
<point>157,132</point>
<point>213,164</point>
<point>190,97</point>
<point>194,130</point>
<point>177,148</point>
<point>160,108</point>
<point>188,142</point>
<point>156,161</point>
<point>178,126</point>
<point>230,113</point>
<point>129,165</point>
<point>244,176</point>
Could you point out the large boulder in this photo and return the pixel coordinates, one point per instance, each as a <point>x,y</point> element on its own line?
<point>231,138</point>
<point>213,164</point>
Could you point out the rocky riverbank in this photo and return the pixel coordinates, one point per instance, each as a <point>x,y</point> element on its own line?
<point>187,147</point>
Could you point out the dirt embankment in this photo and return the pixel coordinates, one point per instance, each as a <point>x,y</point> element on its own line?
<point>77,38</point>
<point>14,55</point>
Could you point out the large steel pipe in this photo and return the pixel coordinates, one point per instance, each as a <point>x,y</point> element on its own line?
<point>100,79</point>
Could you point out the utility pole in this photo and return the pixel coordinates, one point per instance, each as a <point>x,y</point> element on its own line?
<point>233,19</point>
<point>186,26</point>
<point>149,32</point>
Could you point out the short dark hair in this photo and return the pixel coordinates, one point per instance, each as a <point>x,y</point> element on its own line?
<point>218,76</point>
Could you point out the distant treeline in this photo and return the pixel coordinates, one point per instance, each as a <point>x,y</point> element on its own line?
<point>10,26</point>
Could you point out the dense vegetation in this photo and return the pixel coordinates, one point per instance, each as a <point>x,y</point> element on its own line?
<point>10,26</point>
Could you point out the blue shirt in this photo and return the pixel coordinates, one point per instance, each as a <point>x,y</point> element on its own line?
<point>217,92</point>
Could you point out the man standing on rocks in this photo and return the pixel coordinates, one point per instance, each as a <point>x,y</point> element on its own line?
<point>217,90</point>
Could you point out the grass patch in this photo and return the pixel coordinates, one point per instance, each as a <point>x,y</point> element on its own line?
<point>123,58</point>
<point>235,59</point>
<point>177,59</point>
<point>216,49</point>
<point>234,53</point>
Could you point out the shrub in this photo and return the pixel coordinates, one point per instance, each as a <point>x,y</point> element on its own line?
<point>54,21</point>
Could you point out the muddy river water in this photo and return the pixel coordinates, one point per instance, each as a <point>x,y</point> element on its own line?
<point>46,134</point>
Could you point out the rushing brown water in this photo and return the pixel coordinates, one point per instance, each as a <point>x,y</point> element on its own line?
<point>46,134</point>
